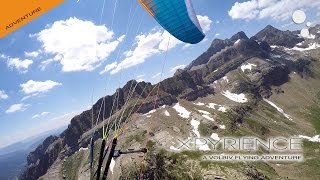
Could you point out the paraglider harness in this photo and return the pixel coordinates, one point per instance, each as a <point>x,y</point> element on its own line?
<point>110,153</point>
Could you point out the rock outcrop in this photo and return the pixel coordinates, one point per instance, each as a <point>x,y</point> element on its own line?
<point>274,36</point>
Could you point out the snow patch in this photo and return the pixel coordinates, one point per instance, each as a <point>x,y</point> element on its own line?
<point>278,109</point>
<point>150,112</point>
<point>162,107</point>
<point>182,111</point>
<point>112,164</point>
<point>247,66</point>
<point>166,113</point>
<point>212,105</point>
<point>199,143</point>
<point>240,98</point>
<point>237,42</point>
<point>215,136</point>
<point>208,117</point>
<point>311,47</point>
<point>311,36</point>
<point>203,112</point>
<point>226,79</point>
<point>195,125</point>
<point>83,149</point>
<point>312,139</point>
<point>222,109</point>
<point>173,148</point>
<point>199,104</point>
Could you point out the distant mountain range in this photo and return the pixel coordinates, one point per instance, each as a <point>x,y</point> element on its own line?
<point>13,158</point>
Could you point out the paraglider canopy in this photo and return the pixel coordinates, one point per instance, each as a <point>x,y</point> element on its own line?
<point>177,17</point>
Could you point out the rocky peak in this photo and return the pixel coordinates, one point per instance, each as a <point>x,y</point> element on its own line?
<point>239,35</point>
<point>270,28</point>
<point>249,47</point>
<point>216,46</point>
<point>274,36</point>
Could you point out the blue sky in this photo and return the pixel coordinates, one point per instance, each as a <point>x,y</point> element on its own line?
<point>50,67</point>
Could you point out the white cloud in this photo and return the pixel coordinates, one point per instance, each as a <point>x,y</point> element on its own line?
<point>165,44</point>
<point>140,80</point>
<point>35,116</point>
<point>204,40</point>
<point>32,87</point>
<point>147,45</point>
<point>245,10</point>
<point>29,96</point>
<point>205,23</point>
<point>78,45</point>
<point>151,44</point>
<point>40,115</point>
<point>156,76</point>
<point>17,108</point>
<point>3,56</point>
<point>44,64</point>
<point>3,95</point>
<point>20,65</point>
<point>109,67</point>
<point>186,46</point>
<point>217,34</point>
<point>140,77</point>
<point>32,54</point>
<point>275,9</point>
<point>174,69</point>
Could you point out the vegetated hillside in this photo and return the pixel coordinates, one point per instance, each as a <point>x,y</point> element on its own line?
<point>264,86</point>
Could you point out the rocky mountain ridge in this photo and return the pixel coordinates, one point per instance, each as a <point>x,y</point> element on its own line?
<point>195,81</point>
